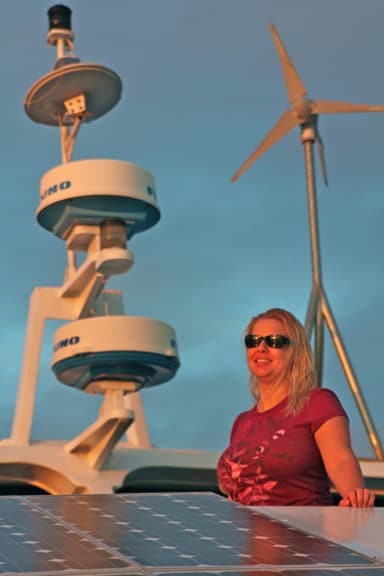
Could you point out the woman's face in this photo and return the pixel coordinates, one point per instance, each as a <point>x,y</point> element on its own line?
<point>264,362</point>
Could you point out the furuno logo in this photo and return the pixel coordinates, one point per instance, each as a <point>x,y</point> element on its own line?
<point>55,188</point>
<point>66,342</point>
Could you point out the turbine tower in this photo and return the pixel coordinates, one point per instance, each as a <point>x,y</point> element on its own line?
<point>304,113</point>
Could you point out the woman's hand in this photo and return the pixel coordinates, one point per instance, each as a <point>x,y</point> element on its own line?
<point>334,442</point>
<point>358,498</point>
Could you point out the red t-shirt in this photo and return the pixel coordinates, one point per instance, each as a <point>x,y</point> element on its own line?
<point>273,459</point>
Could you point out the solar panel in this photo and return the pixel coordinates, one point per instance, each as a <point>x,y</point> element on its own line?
<point>162,535</point>
<point>193,530</point>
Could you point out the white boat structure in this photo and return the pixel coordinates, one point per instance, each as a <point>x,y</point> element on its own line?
<point>95,206</point>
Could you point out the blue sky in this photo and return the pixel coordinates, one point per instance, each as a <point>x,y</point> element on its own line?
<point>202,85</point>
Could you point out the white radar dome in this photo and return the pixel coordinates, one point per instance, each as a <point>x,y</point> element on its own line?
<point>93,190</point>
<point>139,351</point>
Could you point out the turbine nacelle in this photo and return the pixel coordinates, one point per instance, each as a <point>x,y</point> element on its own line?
<point>303,109</point>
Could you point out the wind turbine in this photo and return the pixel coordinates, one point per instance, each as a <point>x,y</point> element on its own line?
<point>304,113</point>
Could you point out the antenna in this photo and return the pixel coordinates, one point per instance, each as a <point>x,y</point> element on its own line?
<point>304,113</point>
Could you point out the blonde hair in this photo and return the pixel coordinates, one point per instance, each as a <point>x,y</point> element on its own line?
<point>299,370</point>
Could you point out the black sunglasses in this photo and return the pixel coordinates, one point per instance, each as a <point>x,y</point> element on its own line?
<point>272,340</point>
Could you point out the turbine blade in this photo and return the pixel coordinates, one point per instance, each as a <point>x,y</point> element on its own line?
<point>286,122</point>
<point>331,107</point>
<point>322,158</point>
<point>293,82</point>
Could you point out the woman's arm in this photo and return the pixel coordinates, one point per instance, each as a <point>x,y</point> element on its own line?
<point>334,442</point>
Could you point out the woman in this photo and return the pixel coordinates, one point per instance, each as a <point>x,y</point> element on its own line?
<point>287,448</point>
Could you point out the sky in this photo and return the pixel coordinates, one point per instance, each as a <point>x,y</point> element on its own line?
<point>202,86</point>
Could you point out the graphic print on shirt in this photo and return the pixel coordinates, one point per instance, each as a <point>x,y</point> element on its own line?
<point>241,471</point>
